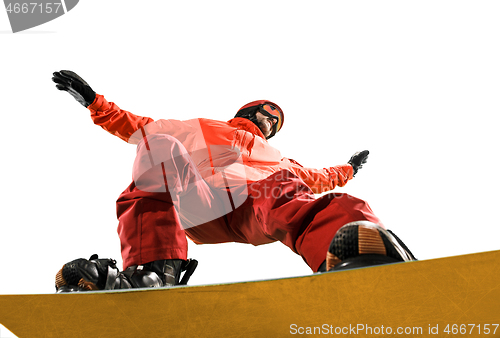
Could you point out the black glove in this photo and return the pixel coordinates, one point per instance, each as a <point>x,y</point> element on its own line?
<point>69,81</point>
<point>358,159</point>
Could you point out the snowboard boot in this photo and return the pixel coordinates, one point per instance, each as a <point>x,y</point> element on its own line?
<point>90,274</point>
<point>360,244</point>
<point>102,274</point>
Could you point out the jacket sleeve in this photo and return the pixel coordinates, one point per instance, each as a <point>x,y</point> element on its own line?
<point>114,120</point>
<point>322,180</point>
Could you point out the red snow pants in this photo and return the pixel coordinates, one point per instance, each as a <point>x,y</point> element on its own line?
<point>279,208</point>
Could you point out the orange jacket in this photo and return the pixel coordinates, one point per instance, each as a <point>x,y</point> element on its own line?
<point>236,149</point>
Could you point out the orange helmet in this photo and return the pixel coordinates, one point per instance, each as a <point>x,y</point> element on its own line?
<point>267,108</point>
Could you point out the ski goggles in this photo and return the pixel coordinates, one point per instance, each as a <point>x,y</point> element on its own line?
<point>273,112</point>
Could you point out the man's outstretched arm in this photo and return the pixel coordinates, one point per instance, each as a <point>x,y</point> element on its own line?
<point>106,114</point>
<point>322,180</point>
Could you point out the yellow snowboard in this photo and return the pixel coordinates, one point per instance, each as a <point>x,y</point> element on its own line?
<point>447,297</point>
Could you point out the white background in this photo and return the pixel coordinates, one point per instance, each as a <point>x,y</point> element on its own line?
<point>416,83</point>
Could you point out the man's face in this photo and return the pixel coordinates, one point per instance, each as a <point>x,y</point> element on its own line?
<point>265,123</point>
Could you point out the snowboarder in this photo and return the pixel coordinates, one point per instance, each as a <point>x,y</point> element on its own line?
<point>215,182</point>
